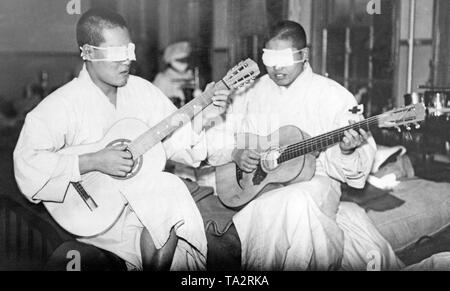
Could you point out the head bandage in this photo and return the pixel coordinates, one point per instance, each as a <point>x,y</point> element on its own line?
<point>108,54</point>
<point>280,58</point>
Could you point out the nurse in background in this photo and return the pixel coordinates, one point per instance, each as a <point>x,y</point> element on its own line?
<point>177,76</point>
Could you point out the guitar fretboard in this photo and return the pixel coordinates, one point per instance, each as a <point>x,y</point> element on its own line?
<point>322,142</point>
<point>176,120</point>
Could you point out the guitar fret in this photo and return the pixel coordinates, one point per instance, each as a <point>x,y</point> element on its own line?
<point>324,141</point>
<point>330,140</point>
<point>367,126</point>
<point>244,72</point>
<point>336,138</point>
<point>321,142</point>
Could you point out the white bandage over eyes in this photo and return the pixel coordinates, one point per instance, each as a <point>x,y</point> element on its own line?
<point>108,54</point>
<point>280,58</point>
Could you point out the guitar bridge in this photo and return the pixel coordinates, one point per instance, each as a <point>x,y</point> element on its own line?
<point>85,196</point>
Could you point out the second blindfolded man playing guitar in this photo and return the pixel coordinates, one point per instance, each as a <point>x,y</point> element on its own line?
<point>294,227</point>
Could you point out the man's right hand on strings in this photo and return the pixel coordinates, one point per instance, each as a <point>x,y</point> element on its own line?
<point>247,160</point>
<point>113,161</point>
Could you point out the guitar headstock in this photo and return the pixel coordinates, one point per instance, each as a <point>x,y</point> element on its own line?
<point>404,116</point>
<point>242,74</point>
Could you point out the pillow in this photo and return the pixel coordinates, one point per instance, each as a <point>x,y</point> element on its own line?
<point>401,167</point>
<point>385,155</point>
<point>391,164</point>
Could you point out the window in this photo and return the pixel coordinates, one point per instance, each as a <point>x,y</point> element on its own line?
<point>356,49</point>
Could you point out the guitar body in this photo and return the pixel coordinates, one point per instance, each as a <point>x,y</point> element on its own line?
<point>74,215</point>
<point>236,188</point>
<point>287,155</point>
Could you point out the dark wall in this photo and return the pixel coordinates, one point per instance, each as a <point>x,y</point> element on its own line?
<point>443,52</point>
<point>35,36</point>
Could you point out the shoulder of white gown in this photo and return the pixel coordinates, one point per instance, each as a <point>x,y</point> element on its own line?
<point>60,98</point>
<point>57,108</point>
<point>135,82</point>
<point>264,80</point>
<point>332,90</point>
<point>145,90</point>
<point>257,88</point>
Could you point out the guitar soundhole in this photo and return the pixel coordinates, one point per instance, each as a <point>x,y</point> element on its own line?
<point>257,176</point>
<point>239,176</point>
<point>137,163</point>
<point>270,160</point>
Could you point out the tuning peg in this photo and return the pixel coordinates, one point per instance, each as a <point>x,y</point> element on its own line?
<point>417,126</point>
<point>408,127</point>
<point>398,129</point>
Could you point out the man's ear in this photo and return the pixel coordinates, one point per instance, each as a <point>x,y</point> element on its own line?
<point>305,54</point>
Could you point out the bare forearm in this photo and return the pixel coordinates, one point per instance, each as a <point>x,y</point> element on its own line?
<point>113,161</point>
<point>87,163</point>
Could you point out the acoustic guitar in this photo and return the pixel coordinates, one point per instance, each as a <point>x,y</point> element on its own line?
<point>287,155</point>
<point>92,205</point>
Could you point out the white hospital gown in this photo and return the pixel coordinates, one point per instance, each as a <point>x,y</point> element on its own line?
<point>79,113</point>
<point>294,227</point>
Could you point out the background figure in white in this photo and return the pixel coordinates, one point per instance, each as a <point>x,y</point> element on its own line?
<point>294,227</point>
<point>176,75</point>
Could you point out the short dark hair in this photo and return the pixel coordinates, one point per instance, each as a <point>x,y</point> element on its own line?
<point>287,29</point>
<point>92,22</point>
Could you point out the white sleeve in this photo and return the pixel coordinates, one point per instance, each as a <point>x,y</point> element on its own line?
<point>221,139</point>
<point>186,147</point>
<point>220,142</point>
<point>41,173</point>
<point>352,169</point>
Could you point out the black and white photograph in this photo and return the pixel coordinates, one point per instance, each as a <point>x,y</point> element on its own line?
<point>227,139</point>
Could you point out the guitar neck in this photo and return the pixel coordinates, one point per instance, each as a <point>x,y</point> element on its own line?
<point>324,141</point>
<point>174,121</point>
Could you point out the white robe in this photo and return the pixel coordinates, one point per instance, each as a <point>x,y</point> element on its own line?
<point>294,227</point>
<point>79,113</point>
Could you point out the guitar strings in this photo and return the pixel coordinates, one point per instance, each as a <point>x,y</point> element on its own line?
<point>201,100</point>
<point>317,142</point>
<point>294,148</point>
<point>206,97</point>
<point>370,121</point>
<point>164,127</point>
